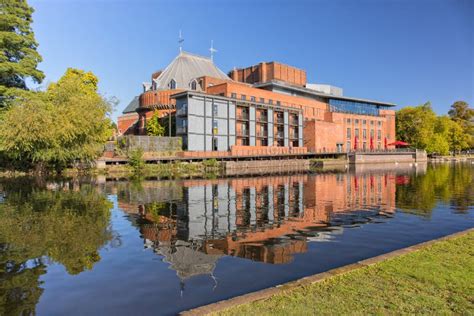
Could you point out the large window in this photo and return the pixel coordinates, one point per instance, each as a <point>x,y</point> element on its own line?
<point>348,133</point>
<point>364,133</point>
<point>345,106</point>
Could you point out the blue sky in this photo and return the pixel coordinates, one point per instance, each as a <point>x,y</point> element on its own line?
<point>404,51</point>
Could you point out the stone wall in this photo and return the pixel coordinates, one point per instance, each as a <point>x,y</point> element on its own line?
<point>388,157</point>
<point>265,166</point>
<point>151,143</point>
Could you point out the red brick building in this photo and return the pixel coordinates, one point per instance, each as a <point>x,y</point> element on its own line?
<point>332,122</point>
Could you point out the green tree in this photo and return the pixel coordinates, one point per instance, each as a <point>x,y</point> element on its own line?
<point>153,126</point>
<point>67,226</point>
<point>20,58</point>
<point>464,116</point>
<point>67,123</point>
<point>461,111</point>
<point>452,132</point>
<point>415,125</point>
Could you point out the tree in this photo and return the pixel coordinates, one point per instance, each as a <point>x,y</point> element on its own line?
<point>66,123</point>
<point>20,58</point>
<point>464,115</point>
<point>460,110</point>
<point>415,125</point>
<point>153,126</point>
<point>452,133</point>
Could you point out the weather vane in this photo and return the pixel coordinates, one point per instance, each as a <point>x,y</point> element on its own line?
<point>212,50</point>
<point>180,41</point>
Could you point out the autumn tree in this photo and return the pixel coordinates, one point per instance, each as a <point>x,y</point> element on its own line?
<point>66,123</point>
<point>20,57</point>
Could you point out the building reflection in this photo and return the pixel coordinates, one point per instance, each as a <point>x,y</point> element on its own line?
<point>192,223</point>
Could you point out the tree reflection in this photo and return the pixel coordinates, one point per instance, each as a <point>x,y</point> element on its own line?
<point>39,225</point>
<point>451,184</point>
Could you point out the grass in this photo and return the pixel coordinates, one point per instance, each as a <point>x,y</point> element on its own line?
<point>438,279</point>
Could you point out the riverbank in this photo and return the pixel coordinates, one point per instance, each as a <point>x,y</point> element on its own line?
<point>437,278</point>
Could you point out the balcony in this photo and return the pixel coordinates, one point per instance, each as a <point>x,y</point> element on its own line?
<point>244,133</point>
<point>279,120</point>
<point>262,133</point>
<point>182,111</point>
<point>262,118</point>
<point>243,116</point>
<point>294,135</point>
<point>181,130</point>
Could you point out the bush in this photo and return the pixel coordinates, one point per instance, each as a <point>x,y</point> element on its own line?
<point>135,160</point>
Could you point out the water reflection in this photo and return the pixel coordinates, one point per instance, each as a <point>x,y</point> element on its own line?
<point>43,224</point>
<point>270,229</point>
<point>193,223</point>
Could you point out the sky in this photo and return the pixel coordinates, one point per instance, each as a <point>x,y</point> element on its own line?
<point>405,52</point>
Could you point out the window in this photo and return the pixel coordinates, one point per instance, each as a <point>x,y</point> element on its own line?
<point>371,123</point>
<point>193,85</point>
<point>214,124</point>
<point>356,132</point>
<point>233,95</point>
<point>262,100</point>
<point>349,120</point>
<point>348,133</point>
<point>278,103</point>
<point>172,84</point>
<point>184,123</point>
<point>270,101</point>
<point>348,146</point>
<point>243,97</point>
<point>252,99</point>
<point>371,133</point>
<point>379,123</point>
<point>356,121</point>
<point>379,134</point>
<point>364,133</point>
<point>362,108</point>
<point>214,109</point>
<point>364,122</point>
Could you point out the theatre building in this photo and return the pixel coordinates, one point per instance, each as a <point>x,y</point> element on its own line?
<point>266,107</point>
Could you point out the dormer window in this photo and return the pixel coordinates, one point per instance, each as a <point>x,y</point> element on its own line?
<point>172,84</point>
<point>193,85</point>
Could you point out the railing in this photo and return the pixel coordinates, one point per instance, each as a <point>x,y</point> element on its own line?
<point>279,120</point>
<point>262,133</point>
<point>294,121</point>
<point>382,150</point>
<point>294,135</point>
<point>262,118</point>
<point>182,111</point>
<point>243,116</point>
<point>280,134</point>
<point>181,130</point>
<point>243,133</point>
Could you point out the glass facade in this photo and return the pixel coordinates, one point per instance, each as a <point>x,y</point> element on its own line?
<point>354,107</point>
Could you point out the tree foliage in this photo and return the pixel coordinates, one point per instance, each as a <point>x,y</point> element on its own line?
<point>39,226</point>
<point>464,116</point>
<point>20,57</point>
<point>66,123</point>
<point>420,127</point>
<point>154,127</point>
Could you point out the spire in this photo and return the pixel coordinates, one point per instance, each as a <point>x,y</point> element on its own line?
<point>180,41</point>
<point>212,50</point>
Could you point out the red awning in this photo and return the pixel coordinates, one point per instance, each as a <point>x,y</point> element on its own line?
<point>398,143</point>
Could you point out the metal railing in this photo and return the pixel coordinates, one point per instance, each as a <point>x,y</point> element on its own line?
<point>262,133</point>
<point>181,130</point>
<point>182,111</point>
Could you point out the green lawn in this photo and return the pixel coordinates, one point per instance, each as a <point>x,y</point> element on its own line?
<point>438,279</point>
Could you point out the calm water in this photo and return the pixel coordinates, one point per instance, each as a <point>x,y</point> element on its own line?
<point>159,247</point>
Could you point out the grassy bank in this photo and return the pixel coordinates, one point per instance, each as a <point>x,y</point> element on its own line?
<point>438,279</point>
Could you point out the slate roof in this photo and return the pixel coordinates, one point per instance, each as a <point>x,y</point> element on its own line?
<point>186,67</point>
<point>132,106</point>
